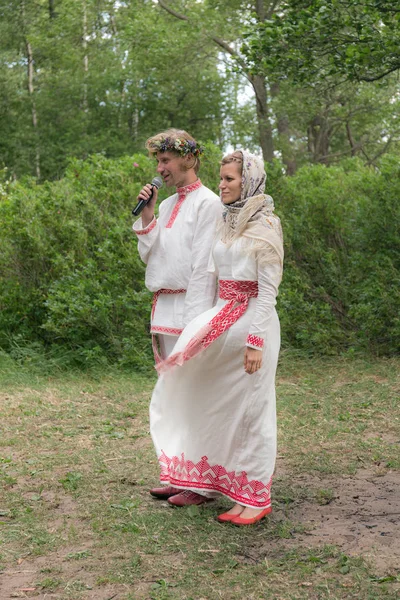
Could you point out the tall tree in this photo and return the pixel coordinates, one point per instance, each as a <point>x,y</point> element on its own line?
<point>97,81</point>
<point>263,9</point>
<point>330,124</point>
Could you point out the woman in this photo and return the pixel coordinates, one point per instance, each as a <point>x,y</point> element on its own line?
<point>212,413</point>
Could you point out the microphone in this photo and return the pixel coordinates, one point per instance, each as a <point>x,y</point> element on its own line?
<point>157,182</point>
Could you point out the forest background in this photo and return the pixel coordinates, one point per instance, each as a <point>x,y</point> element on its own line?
<point>313,86</point>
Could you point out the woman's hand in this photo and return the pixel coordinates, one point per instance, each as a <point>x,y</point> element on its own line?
<point>252,360</point>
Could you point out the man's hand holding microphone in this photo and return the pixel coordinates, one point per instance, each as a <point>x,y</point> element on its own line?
<point>147,200</point>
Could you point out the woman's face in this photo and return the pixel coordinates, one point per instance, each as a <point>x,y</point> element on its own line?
<point>230,182</point>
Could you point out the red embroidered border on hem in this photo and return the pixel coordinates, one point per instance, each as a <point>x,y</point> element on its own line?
<point>157,356</point>
<point>166,330</point>
<point>202,475</point>
<point>149,228</point>
<point>163,291</point>
<point>254,340</point>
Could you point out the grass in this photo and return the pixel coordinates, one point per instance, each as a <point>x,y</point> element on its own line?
<point>76,461</point>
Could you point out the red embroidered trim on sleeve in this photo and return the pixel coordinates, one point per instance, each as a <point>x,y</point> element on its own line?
<point>147,229</point>
<point>254,340</point>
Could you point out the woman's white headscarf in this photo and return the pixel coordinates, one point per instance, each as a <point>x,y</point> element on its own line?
<point>252,216</point>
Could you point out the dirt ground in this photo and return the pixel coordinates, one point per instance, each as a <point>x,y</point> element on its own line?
<point>362,518</point>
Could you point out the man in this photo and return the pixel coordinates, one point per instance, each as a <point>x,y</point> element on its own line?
<point>176,245</point>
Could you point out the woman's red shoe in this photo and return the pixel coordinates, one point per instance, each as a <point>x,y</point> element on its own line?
<point>226,517</point>
<point>240,521</point>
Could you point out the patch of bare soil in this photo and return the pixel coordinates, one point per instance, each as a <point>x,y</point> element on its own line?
<point>28,578</point>
<point>23,582</point>
<point>362,518</point>
<point>37,577</point>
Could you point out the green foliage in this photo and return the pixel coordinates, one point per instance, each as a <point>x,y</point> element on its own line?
<point>71,481</point>
<point>81,77</point>
<point>341,282</point>
<point>70,272</point>
<point>72,283</point>
<point>310,41</point>
<point>105,76</point>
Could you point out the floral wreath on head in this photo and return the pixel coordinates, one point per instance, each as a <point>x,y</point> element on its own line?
<point>182,146</point>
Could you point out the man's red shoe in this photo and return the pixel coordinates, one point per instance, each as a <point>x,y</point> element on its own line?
<point>165,492</point>
<point>188,498</point>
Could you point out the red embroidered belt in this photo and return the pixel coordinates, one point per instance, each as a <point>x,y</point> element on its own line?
<point>168,330</point>
<point>240,291</point>
<point>238,294</point>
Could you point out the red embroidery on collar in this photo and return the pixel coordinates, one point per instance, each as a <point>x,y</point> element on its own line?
<point>186,189</point>
<point>182,193</point>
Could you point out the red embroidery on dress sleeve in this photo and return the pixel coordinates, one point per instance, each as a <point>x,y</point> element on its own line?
<point>254,340</point>
<point>147,229</point>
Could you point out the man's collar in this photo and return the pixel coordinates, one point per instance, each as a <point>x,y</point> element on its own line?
<point>191,187</point>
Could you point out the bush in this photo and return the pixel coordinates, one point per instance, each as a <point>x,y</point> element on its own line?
<point>342,241</point>
<point>71,278</point>
<point>70,271</point>
<point>72,283</point>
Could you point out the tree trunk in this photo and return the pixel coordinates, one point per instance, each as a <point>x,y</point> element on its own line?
<point>259,84</point>
<point>351,140</point>
<point>133,122</point>
<point>31,90</point>
<point>33,104</point>
<point>286,146</point>
<point>319,138</point>
<point>52,13</point>
<point>85,59</point>
<point>121,105</point>
<point>264,124</point>
<point>260,10</point>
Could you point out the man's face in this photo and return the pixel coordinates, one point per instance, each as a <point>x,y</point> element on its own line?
<point>171,168</point>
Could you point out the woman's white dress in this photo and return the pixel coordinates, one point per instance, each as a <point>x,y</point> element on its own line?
<point>212,424</point>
